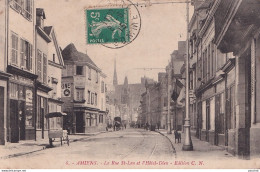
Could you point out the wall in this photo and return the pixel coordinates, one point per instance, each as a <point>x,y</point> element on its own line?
<point>2,34</point>
<point>25,30</point>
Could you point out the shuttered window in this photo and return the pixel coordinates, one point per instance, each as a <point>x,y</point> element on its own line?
<point>39,65</point>
<point>26,55</point>
<point>14,53</point>
<point>44,68</point>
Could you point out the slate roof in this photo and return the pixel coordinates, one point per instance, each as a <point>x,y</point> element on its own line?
<point>70,53</point>
<point>47,29</point>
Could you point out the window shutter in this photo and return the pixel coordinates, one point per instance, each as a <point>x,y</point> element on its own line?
<point>39,65</point>
<point>30,56</point>
<point>44,68</point>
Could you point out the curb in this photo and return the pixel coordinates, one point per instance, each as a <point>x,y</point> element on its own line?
<point>46,147</point>
<point>173,148</point>
<point>23,153</point>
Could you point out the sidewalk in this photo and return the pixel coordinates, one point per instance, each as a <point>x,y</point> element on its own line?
<point>24,147</point>
<point>201,149</point>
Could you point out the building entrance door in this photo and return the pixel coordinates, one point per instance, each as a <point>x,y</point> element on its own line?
<point>21,112</point>
<point>207,120</point>
<point>14,125</point>
<point>80,122</point>
<point>2,135</point>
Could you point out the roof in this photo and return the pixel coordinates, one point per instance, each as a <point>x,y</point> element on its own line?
<point>70,53</point>
<point>47,30</point>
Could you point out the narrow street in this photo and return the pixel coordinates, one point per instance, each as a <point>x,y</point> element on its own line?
<point>122,146</point>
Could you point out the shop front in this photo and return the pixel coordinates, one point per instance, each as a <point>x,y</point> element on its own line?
<point>22,119</point>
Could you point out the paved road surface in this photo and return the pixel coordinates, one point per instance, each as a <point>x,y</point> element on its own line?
<point>123,147</point>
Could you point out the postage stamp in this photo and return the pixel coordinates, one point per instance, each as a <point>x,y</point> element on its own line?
<point>110,25</point>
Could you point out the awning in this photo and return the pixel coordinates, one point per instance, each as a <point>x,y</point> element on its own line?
<point>55,114</point>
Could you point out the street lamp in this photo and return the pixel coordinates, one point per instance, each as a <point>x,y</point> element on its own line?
<point>168,71</point>
<point>187,145</point>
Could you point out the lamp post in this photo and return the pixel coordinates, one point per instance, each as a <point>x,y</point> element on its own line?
<point>187,145</point>
<point>168,70</point>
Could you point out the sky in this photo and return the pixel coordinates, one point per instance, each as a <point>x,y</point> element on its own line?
<point>163,25</point>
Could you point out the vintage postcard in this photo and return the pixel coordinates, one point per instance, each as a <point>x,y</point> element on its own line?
<point>129,84</point>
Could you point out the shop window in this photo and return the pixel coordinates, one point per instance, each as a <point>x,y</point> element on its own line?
<point>88,120</point>
<point>100,118</point>
<point>29,107</point>
<point>41,121</point>
<point>93,120</point>
<point>13,91</point>
<point>204,115</point>
<point>212,114</point>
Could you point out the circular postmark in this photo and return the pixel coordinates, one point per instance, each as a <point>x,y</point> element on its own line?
<point>113,26</point>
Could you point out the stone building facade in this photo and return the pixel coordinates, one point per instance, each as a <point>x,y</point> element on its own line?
<point>82,92</point>
<point>223,46</point>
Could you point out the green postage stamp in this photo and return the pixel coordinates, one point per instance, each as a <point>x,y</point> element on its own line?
<point>107,25</point>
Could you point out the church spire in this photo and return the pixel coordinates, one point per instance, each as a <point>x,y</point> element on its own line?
<point>115,74</point>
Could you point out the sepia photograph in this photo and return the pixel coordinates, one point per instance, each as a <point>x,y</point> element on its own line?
<point>129,84</point>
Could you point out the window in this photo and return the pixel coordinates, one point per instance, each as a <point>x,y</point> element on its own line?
<point>209,62</point>
<point>79,94</point>
<point>14,59</point>
<point>102,87</point>
<point>44,69</point>
<point>27,10</point>
<point>17,5</point>
<point>96,99</point>
<point>79,70</point>
<point>26,55</point>
<point>89,73</point>
<point>92,98</point>
<point>24,7</point>
<point>96,76</point>
<point>204,65</point>
<point>89,97</point>
<point>213,59</point>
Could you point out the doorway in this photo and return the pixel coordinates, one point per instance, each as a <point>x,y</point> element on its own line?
<point>2,98</point>
<point>80,122</point>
